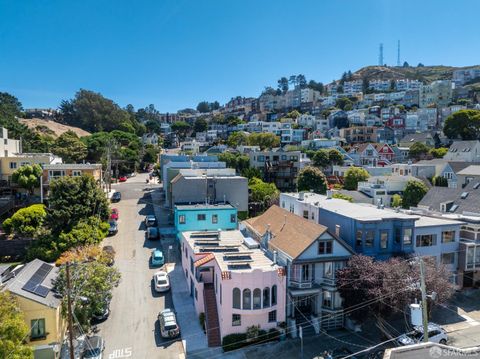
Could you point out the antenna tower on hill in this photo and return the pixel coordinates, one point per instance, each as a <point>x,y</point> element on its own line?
<point>380,55</point>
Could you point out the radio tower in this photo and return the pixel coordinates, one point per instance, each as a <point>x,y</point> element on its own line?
<point>398,53</point>
<point>380,55</point>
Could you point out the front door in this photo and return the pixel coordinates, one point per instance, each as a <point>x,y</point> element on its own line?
<point>468,279</point>
<point>303,305</point>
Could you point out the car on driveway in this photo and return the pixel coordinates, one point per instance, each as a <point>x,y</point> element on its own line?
<point>122,179</point>
<point>157,259</point>
<point>162,282</point>
<point>152,233</point>
<point>113,228</point>
<point>436,334</point>
<point>168,324</point>
<point>116,197</point>
<point>115,213</point>
<point>93,348</point>
<point>150,220</point>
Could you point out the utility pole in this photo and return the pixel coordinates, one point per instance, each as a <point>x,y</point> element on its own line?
<point>109,166</point>
<point>69,312</point>
<point>424,301</point>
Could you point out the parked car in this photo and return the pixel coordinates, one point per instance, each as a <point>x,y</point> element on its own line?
<point>93,347</point>
<point>101,314</point>
<point>116,197</point>
<point>152,233</point>
<point>110,254</point>
<point>150,220</point>
<point>157,259</point>
<point>162,282</point>
<point>436,334</point>
<point>122,179</point>
<point>115,214</point>
<point>168,324</point>
<point>113,228</point>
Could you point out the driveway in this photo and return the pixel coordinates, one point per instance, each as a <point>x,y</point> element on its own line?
<point>132,330</point>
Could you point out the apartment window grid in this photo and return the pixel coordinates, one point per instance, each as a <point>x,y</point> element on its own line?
<point>201,217</point>
<point>214,218</point>
<point>426,240</point>
<point>383,240</point>
<point>272,316</point>
<point>236,320</point>
<point>38,329</point>
<point>325,247</point>
<point>448,236</point>
<point>182,219</point>
<point>369,237</point>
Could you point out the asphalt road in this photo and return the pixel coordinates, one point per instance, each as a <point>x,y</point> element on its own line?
<point>132,329</point>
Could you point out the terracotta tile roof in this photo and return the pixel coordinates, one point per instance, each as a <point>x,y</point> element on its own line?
<point>204,260</point>
<point>292,234</point>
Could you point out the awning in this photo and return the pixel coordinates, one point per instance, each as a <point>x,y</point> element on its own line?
<point>296,292</point>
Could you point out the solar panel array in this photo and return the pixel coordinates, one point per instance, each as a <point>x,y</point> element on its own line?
<point>34,284</point>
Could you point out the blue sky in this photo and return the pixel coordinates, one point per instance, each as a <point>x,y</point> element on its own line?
<point>175,53</point>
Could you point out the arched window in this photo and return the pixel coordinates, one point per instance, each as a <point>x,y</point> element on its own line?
<point>266,297</point>
<point>274,295</point>
<point>236,298</point>
<point>247,299</point>
<point>257,298</point>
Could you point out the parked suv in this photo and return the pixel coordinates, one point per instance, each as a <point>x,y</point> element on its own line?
<point>168,324</point>
<point>436,334</point>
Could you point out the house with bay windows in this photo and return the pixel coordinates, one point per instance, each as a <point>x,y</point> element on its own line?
<point>368,229</point>
<point>311,255</point>
<point>233,282</point>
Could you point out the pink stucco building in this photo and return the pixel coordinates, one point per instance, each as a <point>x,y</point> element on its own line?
<point>233,282</point>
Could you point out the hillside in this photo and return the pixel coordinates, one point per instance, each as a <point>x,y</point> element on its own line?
<point>426,74</point>
<point>52,128</point>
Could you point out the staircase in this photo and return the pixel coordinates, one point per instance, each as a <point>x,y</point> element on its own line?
<point>307,327</point>
<point>211,316</point>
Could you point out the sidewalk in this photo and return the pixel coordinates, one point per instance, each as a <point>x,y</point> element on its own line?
<point>193,337</point>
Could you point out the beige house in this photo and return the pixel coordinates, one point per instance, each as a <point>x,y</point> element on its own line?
<point>10,164</point>
<point>32,286</point>
<point>54,171</point>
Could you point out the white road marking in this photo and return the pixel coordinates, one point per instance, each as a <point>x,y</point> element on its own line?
<point>121,353</point>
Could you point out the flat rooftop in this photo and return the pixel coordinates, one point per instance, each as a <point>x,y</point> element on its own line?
<point>73,166</point>
<point>431,222</point>
<point>360,211</point>
<point>229,250</point>
<point>209,206</point>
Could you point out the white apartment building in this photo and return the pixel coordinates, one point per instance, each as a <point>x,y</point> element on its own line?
<point>438,93</point>
<point>406,84</point>
<point>8,146</point>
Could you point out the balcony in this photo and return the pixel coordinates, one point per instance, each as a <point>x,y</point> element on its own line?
<point>301,283</point>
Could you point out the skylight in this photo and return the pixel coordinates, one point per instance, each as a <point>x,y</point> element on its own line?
<point>464,195</point>
<point>453,208</point>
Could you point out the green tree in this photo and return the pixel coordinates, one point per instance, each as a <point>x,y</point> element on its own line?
<point>413,193</point>
<point>344,103</point>
<point>28,177</point>
<point>86,232</point>
<point>335,157</point>
<point>321,159</point>
<point>283,85</point>
<point>93,112</point>
<point>264,140</point>
<point>438,152</point>
<point>69,146</point>
<point>261,191</point>
<point>150,154</point>
<point>10,106</point>
<point>294,114</point>
<point>354,175</point>
<point>181,128</point>
<point>418,150</point>
<point>235,160</point>
<point>13,329</point>
<point>251,172</point>
<point>26,222</point>
<point>200,125</point>
<point>439,181</point>
<point>237,138</point>
<point>317,86</point>
<point>203,107</point>
<point>463,124</point>
<point>396,201</point>
<point>93,282</point>
<point>73,199</point>
<point>312,179</point>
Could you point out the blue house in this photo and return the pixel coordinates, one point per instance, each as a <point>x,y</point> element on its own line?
<point>205,217</point>
<point>370,230</point>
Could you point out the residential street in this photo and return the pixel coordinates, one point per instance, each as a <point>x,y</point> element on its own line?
<point>132,328</point>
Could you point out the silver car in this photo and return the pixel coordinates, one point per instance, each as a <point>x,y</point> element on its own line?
<point>436,334</point>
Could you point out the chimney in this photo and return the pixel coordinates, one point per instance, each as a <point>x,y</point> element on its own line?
<point>301,196</point>
<point>274,257</point>
<point>329,194</point>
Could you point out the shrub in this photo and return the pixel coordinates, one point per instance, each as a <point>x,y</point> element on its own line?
<point>342,196</point>
<point>26,221</point>
<point>234,341</point>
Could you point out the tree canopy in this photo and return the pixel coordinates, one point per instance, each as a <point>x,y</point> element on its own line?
<point>181,128</point>
<point>26,222</point>
<point>235,160</point>
<point>200,125</point>
<point>264,140</point>
<point>69,146</point>
<point>413,193</point>
<point>354,175</point>
<point>463,124</point>
<point>418,150</point>
<point>93,112</point>
<point>261,191</point>
<point>13,329</point>
<point>28,176</point>
<point>237,138</point>
<point>312,179</point>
